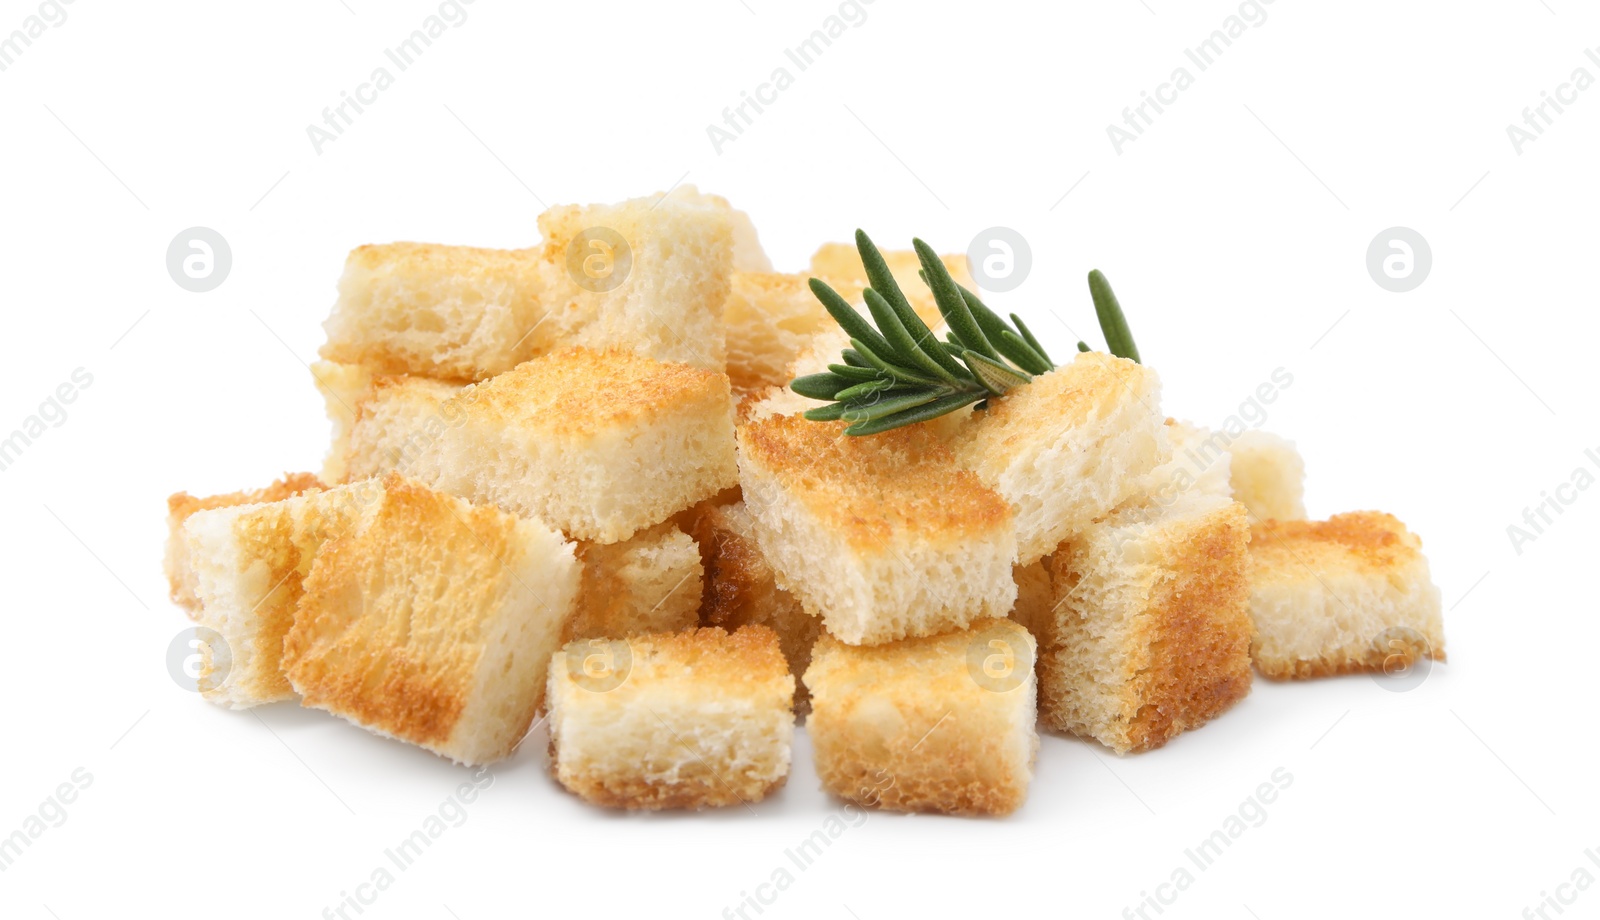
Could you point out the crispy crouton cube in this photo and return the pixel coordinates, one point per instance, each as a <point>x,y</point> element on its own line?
<point>884,537</point>
<point>1199,461</point>
<point>181,505</point>
<point>1068,447</point>
<point>452,312</point>
<point>1268,476</point>
<point>1150,632</point>
<point>687,720</point>
<point>248,563</point>
<point>395,423</point>
<point>648,583</point>
<point>648,275</point>
<point>600,445</point>
<point>770,318</point>
<point>740,589</point>
<point>942,724</point>
<point>433,621</point>
<point>1351,593</point>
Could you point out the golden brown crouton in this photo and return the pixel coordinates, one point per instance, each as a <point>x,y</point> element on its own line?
<point>1068,447</point>
<point>882,536</point>
<point>1351,593</point>
<point>687,720</point>
<point>433,621</point>
<point>180,505</point>
<point>1150,632</point>
<point>740,589</point>
<point>942,724</point>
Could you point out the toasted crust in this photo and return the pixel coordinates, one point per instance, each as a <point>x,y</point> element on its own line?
<point>1150,634</point>
<point>770,318</point>
<point>1068,447</point>
<point>433,623</point>
<point>942,724</point>
<point>740,589</point>
<point>883,536</point>
<point>180,505</point>
<point>1352,593</point>
<point>694,719</point>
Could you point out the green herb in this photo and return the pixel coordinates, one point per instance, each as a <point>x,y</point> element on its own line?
<point>898,372</point>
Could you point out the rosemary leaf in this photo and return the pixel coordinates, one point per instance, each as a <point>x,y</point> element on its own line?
<point>870,409</point>
<point>1027,336</point>
<point>854,359</point>
<point>996,376</point>
<point>1012,346</point>
<point>1112,321</point>
<point>853,323</point>
<point>819,386</point>
<point>951,304</point>
<point>941,406</point>
<point>900,338</point>
<point>852,372</point>
<point>1084,346</point>
<point>866,388</point>
<point>898,373</point>
<point>829,413</point>
<point>879,278</point>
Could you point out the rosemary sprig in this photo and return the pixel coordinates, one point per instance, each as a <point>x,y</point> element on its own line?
<point>898,372</point>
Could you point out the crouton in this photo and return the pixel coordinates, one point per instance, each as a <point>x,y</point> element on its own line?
<point>883,536</point>
<point>249,562</point>
<point>433,621</point>
<point>769,319</point>
<point>1068,447</point>
<point>342,386</point>
<point>177,564</point>
<point>1351,593</point>
<point>839,264</point>
<point>648,275</point>
<point>1268,476</point>
<point>1035,595</point>
<point>740,589</point>
<point>1150,632</point>
<point>943,724</point>
<point>649,583</point>
<point>688,720</point>
<point>598,445</point>
<point>1199,461</point>
<point>451,312</point>
<point>397,422</point>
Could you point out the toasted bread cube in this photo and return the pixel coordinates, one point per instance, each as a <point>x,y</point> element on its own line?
<point>1199,462</point>
<point>686,720</point>
<point>942,723</point>
<point>741,590</point>
<point>249,562</point>
<point>1351,593</point>
<point>648,275</point>
<point>451,312</point>
<point>433,621</point>
<point>1150,632</point>
<point>839,264</point>
<point>769,318</point>
<point>648,583</point>
<point>884,537</point>
<point>397,425</point>
<point>748,256</point>
<point>177,564</point>
<point>599,445</point>
<point>343,387</point>
<point>1267,476</point>
<point>1035,595</point>
<point>1068,447</point>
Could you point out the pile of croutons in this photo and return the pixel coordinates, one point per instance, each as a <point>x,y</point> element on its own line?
<point>568,485</point>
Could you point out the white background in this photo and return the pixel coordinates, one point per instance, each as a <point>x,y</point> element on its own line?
<point>1235,232</point>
